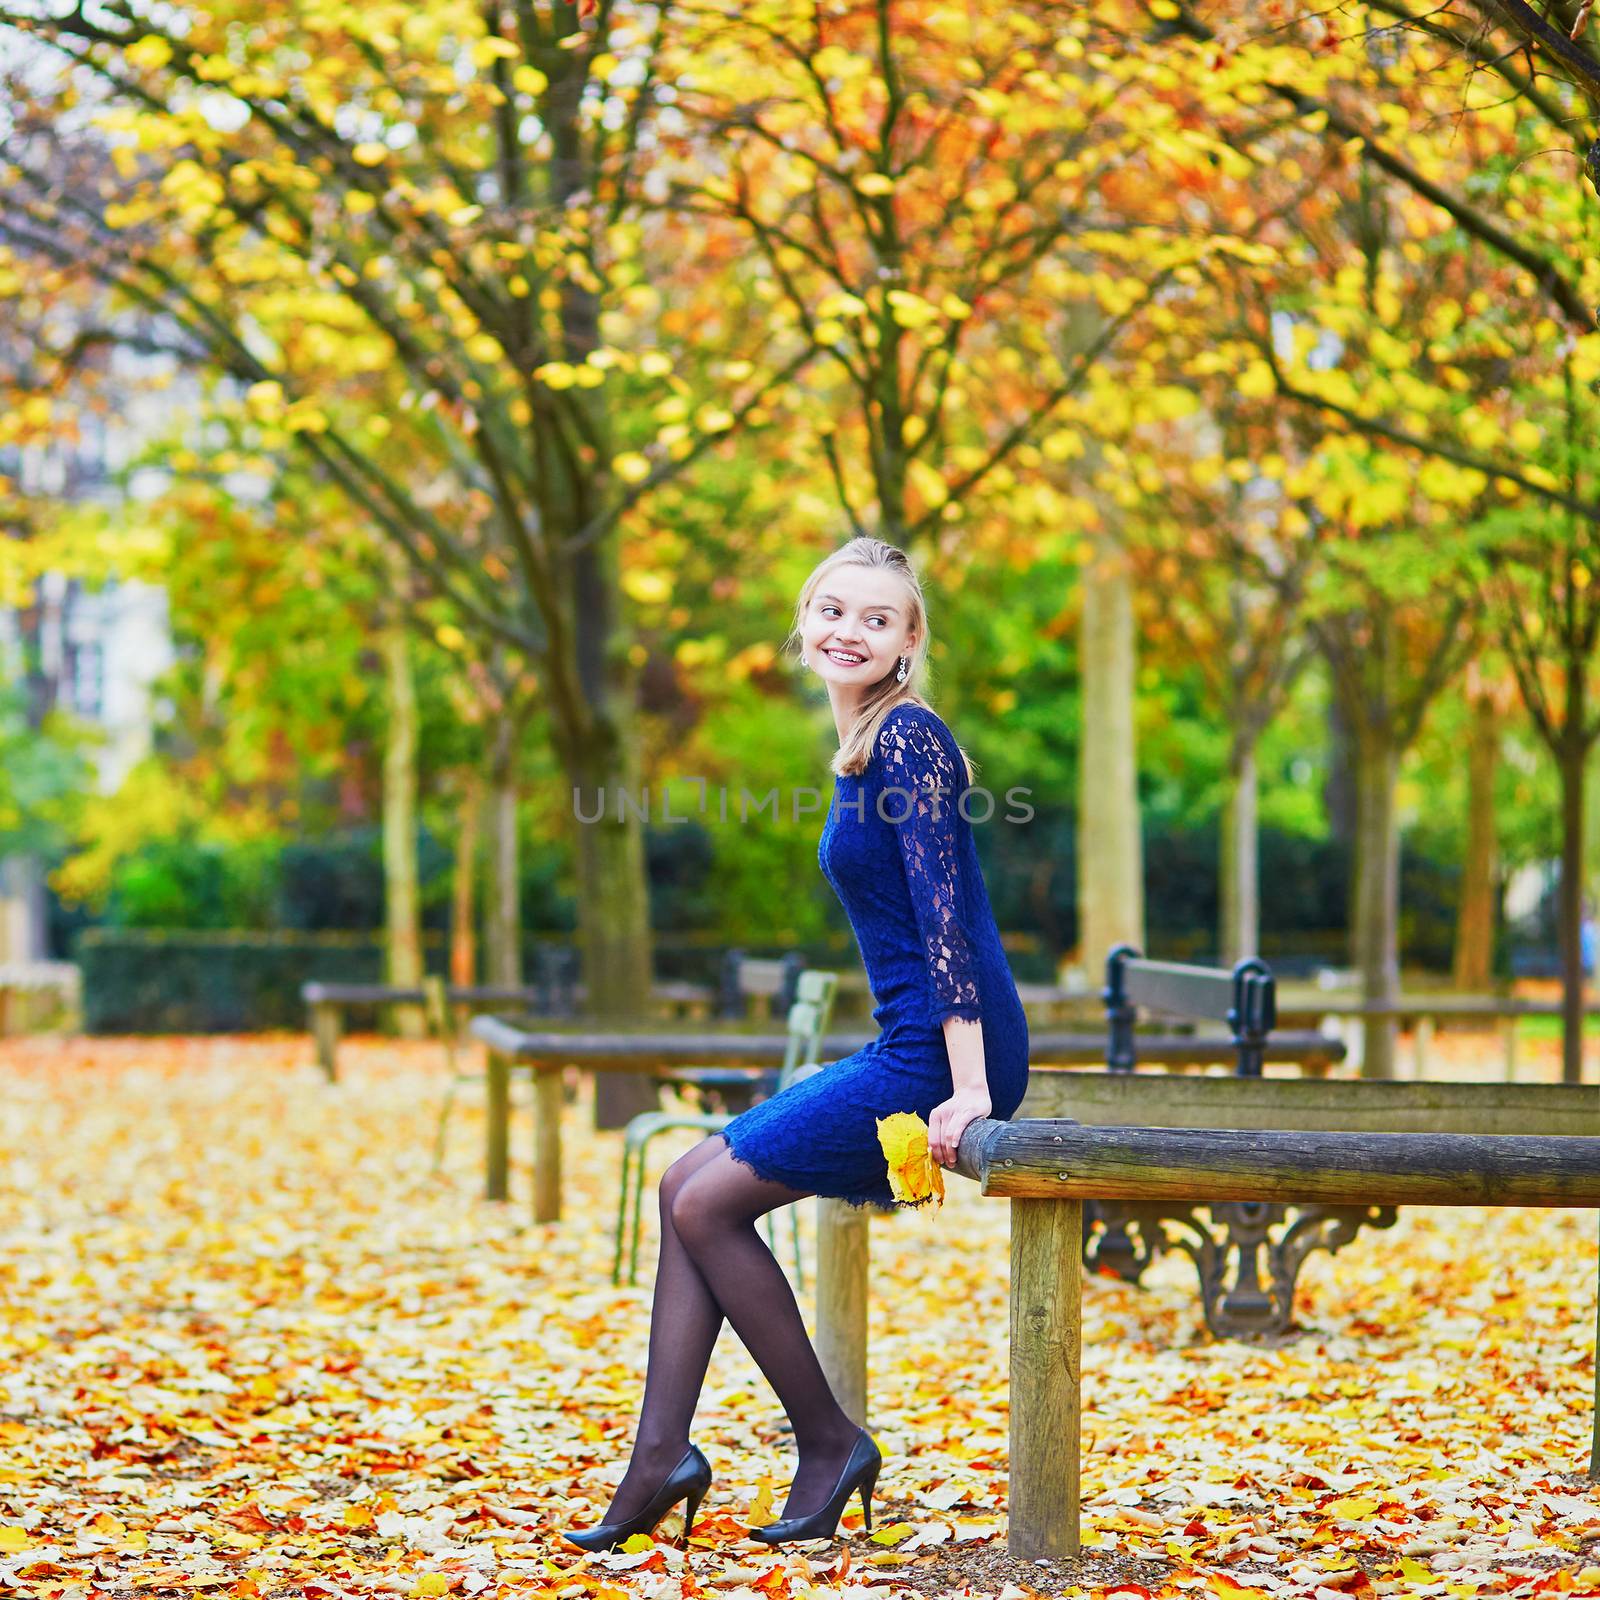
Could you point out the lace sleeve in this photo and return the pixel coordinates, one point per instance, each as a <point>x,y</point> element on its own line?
<point>914,763</point>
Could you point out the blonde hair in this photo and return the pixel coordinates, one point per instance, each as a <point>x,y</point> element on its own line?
<point>860,739</point>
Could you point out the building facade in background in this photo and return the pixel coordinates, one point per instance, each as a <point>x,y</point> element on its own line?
<point>94,652</point>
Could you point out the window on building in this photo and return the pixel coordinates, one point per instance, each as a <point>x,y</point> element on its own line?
<point>87,679</point>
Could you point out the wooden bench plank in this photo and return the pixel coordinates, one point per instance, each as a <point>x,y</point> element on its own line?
<point>583,1042</point>
<point>1055,1159</point>
<point>1312,1105</point>
<point>1182,990</point>
<point>383,994</point>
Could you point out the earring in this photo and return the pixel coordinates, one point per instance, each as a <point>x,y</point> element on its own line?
<point>905,666</point>
<point>803,661</point>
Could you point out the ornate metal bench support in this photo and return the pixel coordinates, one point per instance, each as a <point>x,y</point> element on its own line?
<point>1248,1256</point>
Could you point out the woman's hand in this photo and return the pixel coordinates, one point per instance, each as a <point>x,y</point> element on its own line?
<point>947,1121</point>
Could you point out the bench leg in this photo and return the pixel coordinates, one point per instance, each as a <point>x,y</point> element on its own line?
<point>1355,1041</point>
<point>326,1027</point>
<point>1046,1371</point>
<point>843,1248</point>
<point>1422,1043</point>
<point>1316,1066</point>
<point>547,1145</point>
<point>497,1143</point>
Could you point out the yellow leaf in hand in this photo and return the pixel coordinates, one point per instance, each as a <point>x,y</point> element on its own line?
<point>913,1173</point>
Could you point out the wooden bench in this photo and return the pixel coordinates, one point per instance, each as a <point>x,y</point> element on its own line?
<point>1424,1013</point>
<point>746,987</point>
<point>1049,1005</point>
<point>547,1050</point>
<point>1048,1168</point>
<point>1243,999</point>
<point>326,1004</point>
<point>1247,1255</point>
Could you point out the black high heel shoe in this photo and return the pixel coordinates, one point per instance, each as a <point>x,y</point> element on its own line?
<point>860,1472</point>
<point>691,1477</point>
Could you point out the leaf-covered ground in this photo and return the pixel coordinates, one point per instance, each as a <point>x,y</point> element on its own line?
<point>249,1346</point>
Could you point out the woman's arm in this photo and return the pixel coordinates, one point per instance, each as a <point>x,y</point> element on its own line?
<point>924,774</point>
<point>963,1040</point>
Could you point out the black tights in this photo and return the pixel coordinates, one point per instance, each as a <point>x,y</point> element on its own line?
<point>714,1264</point>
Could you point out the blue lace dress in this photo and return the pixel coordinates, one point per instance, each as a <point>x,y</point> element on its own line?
<point>916,901</point>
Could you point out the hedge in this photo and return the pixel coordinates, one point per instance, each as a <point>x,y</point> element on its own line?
<point>158,980</point>
<point>182,980</point>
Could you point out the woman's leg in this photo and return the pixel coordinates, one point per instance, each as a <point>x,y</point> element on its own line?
<point>714,1218</point>
<point>684,1323</point>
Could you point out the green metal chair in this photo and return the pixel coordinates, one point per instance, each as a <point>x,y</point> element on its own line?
<point>808,1022</point>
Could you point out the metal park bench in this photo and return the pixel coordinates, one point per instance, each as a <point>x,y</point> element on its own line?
<point>1049,1168</point>
<point>1247,1253</point>
<point>1240,1292</point>
<point>1245,999</point>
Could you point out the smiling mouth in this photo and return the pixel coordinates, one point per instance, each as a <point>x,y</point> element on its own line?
<point>845,658</point>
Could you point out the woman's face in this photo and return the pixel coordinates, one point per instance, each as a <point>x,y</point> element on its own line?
<point>858,626</point>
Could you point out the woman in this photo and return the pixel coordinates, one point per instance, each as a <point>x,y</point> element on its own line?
<point>953,1047</point>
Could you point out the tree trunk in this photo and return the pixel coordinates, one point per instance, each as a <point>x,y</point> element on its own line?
<point>463,899</point>
<point>595,739</point>
<point>503,922</point>
<point>1110,850</point>
<point>614,913</point>
<point>1339,798</point>
<point>1240,857</point>
<point>1377,896</point>
<point>1475,916</point>
<point>402,901</point>
<point>1573,760</point>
